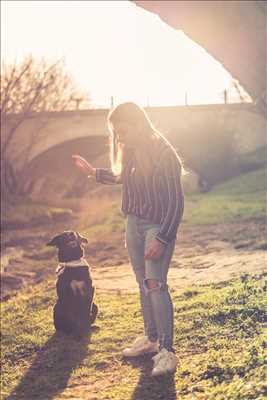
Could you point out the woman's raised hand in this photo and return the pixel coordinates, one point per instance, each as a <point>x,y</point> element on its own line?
<point>83,165</point>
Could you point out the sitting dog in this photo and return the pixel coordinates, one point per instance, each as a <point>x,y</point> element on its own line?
<point>74,311</point>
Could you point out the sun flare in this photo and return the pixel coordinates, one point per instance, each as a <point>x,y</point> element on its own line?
<point>114,49</point>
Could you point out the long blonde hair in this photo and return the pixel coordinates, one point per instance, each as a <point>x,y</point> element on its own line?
<point>135,116</point>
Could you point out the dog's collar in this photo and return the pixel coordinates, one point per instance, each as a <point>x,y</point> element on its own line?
<point>72,264</point>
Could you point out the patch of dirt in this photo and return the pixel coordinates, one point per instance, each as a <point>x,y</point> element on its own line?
<point>203,254</point>
<point>200,258</point>
<point>184,272</point>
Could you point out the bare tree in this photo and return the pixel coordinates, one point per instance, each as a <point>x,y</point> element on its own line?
<point>27,88</point>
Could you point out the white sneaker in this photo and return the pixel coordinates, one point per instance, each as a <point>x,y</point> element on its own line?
<point>164,362</point>
<point>141,346</point>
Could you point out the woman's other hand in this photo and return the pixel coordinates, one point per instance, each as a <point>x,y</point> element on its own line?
<point>154,250</point>
<point>83,165</point>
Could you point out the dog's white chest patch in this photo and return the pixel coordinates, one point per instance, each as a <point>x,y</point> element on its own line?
<point>78,287</point>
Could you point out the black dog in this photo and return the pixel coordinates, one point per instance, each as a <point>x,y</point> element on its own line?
<point>74,311</point>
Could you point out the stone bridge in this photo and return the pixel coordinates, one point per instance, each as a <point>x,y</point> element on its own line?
<point>43,131</point>
<point>203,135</point>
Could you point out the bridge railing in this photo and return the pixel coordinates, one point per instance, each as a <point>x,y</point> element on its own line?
<point>188,98</point>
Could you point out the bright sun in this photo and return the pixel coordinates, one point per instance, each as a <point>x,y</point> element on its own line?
<point>114,48</point>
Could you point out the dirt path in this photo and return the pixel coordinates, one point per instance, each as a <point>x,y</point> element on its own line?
<point>190,266</point>
<point>186,271</point>
<point>203,254</point>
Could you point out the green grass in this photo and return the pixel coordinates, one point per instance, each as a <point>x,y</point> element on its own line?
<point>237,200</point>
<point>254,160</point>
<point>219,340</point>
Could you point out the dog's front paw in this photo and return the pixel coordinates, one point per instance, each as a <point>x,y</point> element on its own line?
<point>94,313</point>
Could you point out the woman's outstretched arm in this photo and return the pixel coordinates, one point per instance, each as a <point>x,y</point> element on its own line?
<point>102,175</point>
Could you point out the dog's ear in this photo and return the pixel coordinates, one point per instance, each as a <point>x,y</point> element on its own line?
<point>54,241</point>
<point>82,239</point>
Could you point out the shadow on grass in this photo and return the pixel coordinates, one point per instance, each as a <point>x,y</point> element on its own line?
<point>51,369</point>
<point>152,388</point>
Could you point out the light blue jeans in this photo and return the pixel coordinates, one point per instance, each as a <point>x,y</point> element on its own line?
<point>156,304</point>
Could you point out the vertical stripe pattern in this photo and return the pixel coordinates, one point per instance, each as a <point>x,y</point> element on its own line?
<point>157,198</point>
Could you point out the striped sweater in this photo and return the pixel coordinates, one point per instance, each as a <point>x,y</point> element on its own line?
<point>157,198</point>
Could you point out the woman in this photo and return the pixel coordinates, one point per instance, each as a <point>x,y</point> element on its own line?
<point>149,169</point>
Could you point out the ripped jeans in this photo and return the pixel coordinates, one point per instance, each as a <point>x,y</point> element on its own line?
<point>156,304</point>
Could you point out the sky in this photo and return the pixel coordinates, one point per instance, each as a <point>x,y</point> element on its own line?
<point>113,49</point>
